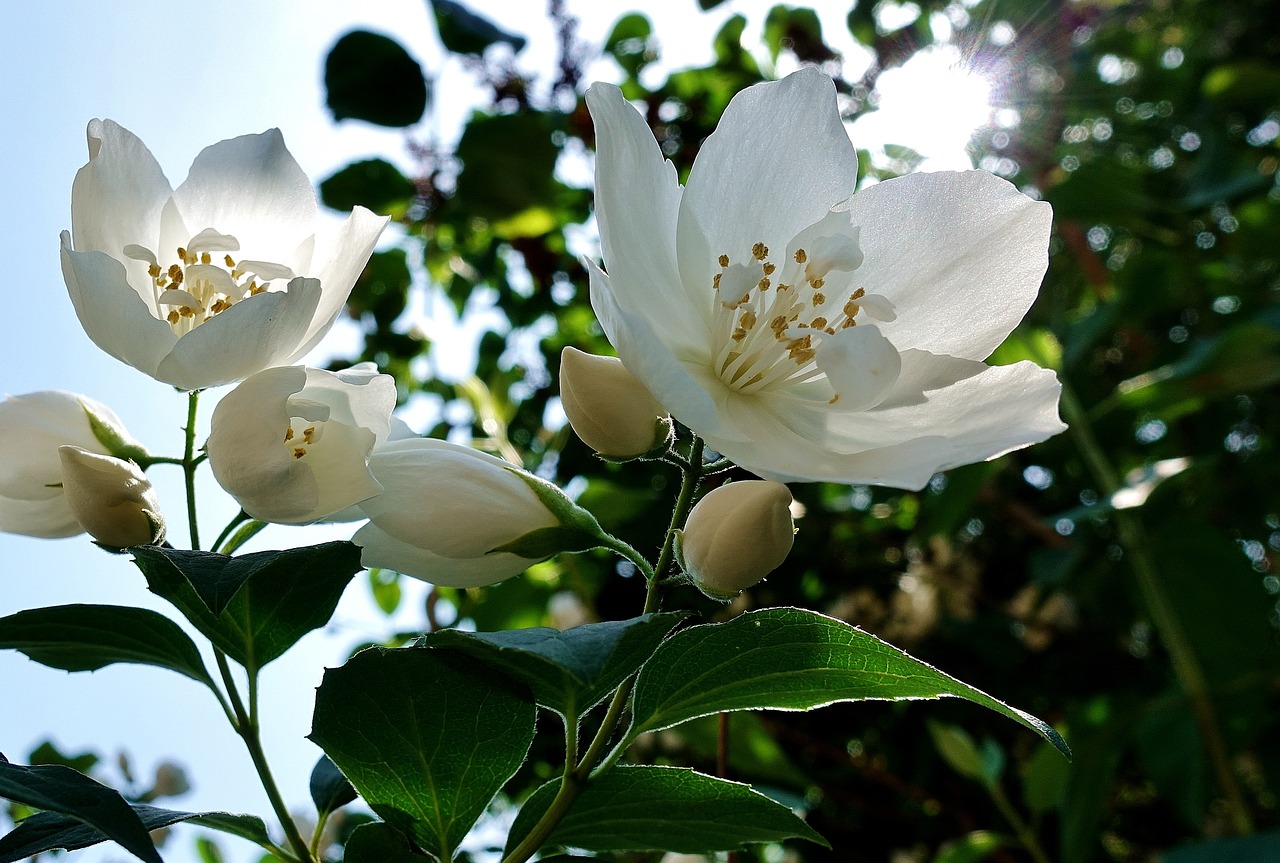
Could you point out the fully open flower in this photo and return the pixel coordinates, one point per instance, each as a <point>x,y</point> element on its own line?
<point>805,332</point>
<point>111,498</point>
<point>32,428</point>
<point>213,281</point>
<point>445,510</point>
<point>292,444</point>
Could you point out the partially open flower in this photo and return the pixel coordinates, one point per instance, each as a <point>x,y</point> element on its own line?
<point>218,279</point>
<point>457,517</point>
<point>609,409</point>
<point>736,535</point>
<point>32,428</point>
<point>111,498</point>
<point>292,444</point>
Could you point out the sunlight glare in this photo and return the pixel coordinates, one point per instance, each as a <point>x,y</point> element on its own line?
<point>933,103</point>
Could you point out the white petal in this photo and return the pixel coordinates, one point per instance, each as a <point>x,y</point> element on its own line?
<point>116,198</point>
<point>256,333</point>
<point>383,551</point>
<point>47,519</point>
<point>960,255</point>
<point>252,188</point>
<point>637,199</point>
<point>861,364</point>
<point>355,397</point>
<point>779,160</point>
<point>346,254</point>
<point>111,312</point>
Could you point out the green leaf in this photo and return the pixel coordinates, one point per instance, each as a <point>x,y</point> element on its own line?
<point>330,790</point>
<point>959,750</point>
<point>464,32</point>
<point>382,290</point>
<point>663,809</point>
<point>378,842</point>
<point>630,43</point>
<point>62,790</point>
<point>978,845</point>
<point>1261,848</point>
<point>46,831</point>
<point>499,181</point>
<point>384,585</point>
<point>372,78</point>
<point>256,606</point>
<point>427,737</point>
<point>789,659</point>
<point>374,183</point>
<point>89,637</point>
<point>1044,780</point>
<point>570,671</point>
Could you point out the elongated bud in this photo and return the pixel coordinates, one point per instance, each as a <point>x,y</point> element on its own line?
<point>609,409</point>
<point>736,535</point>
<point>111,498</point>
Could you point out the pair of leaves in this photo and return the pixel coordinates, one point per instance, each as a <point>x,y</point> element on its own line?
<point>79,812</point>
<point>256,606</point>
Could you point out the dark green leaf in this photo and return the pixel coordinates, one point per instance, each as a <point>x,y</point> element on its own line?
<point>256,606</point>
<point>426,736</point>
<point>570,671</point>
<point>499,180</point>
<point>1044,781</point>
<point>789,659</point>
<point>375,184</point>
<point>47,753</point>
<point>372,78</point>
<point>89,637</point>
<point>629,43</point>
<point>1262,848</point>
<point>46,831</point>
<point>62,790</point>
<point>663,809</point>
<point>378,842</point>
<point>330,790</point>
<point>978,845</point>
<point>464,32</point>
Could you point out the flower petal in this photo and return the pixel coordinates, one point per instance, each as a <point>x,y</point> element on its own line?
<point>637,200</point>
<point>252,188</point>
<point>47,519</point>
<point>959,254</point>
<point>254,334</point>
<point>117,196</point>
<point>381,550</point>
<point>861,364</point>
<point>347,253</point>
<point>112,313</point>
<point>779,160</point>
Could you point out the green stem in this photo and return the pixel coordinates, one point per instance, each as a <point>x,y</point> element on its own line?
<point>247,727</point>
<point>1025,834</point>
<point>1163,614</point>
<point>189,465</point>
<point>240,518</point>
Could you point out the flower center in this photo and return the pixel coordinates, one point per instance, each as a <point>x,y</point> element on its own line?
<point>198,285</point>
<point>306,426</point>
<point>772,320</point>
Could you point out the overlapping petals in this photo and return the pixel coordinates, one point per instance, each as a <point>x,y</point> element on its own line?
<point>806,332</point>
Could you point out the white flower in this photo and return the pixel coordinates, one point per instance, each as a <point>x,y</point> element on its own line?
<point>444,510</point>
<point>111,498</point>
<point>32,428</point>
<point>609,409</point>
<point>292,444</point>
<point>805,332</point>
<point>736,535</point>
<point>209,283</point>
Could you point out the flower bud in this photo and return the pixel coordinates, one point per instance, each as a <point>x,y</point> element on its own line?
<point>736,535</point>
<point>609,409</point>
<point>111,498</point>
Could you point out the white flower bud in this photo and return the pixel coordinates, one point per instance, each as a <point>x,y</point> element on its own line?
<point>111,498</point>
<point>736,535</point>
<point>609,409</point>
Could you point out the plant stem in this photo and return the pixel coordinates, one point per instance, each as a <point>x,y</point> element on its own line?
<point>189,464</point>
<point>1163,614</point>
<point>575,778</point>
<point>247,727</point>
<point>1025,834</point>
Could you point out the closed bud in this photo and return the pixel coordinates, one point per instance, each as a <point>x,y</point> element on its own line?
<point>611,411</point>
<point>736,535</point>
<point>111,498</point>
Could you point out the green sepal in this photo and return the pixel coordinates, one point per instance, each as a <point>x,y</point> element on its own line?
<point>109,436</point>
<point>559,504</point>
<point>664,435</point>
<point>547,542</point>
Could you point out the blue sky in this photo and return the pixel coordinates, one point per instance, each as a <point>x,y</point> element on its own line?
<point>181,80</point>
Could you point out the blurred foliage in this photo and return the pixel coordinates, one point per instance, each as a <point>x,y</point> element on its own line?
<point>1152,129</point>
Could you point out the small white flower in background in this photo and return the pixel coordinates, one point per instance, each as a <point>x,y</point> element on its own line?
<point>32,428</point>
<point>736,535</point>
<point>292,444</point>
<point>803,331</point>
<point>609,409</point>
<point>444,510</point>
<point>218,279</point>
<point>111,498</point>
